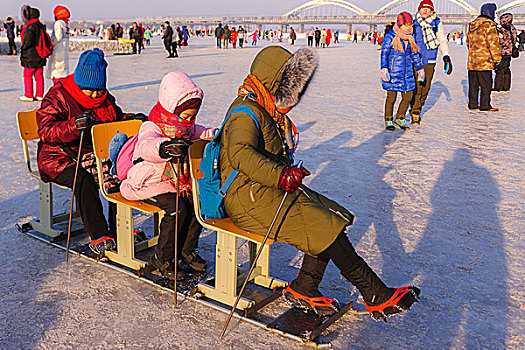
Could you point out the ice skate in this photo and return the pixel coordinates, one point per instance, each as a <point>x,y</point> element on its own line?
<point>400,301</point>
<point>164,268</point>
<point>194,261</point>
<point>319,304</point>
<point>99,246</point>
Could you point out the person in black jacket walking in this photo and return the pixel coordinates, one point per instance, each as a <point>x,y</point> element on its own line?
<point>170,46</point>
<point>219,32</point>
<point>317,35</point>
<point>29,58</point>
<point>9,26</point>
<point>136,34</point>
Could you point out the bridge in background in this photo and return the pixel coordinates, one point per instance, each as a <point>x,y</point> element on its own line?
<point>344,12</point>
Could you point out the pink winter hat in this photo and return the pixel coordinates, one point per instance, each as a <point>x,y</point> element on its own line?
<point>177,88</point>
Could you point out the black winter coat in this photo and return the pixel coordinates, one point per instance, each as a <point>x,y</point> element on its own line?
<point>219,31</point>
<point>29,57</point>
<point>318,34</point>
<point>521,38</point>
<point>136,34</point>
<point>168,34</point>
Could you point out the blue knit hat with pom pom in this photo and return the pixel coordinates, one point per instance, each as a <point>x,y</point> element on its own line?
<point>90,73</point>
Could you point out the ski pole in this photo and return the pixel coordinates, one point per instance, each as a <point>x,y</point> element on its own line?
<point>176,232</point>
<point>73,195</point>
<point>254,263</point>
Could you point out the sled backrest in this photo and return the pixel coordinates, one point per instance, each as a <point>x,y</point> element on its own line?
<point>103,133</point>
<point>27,126</point>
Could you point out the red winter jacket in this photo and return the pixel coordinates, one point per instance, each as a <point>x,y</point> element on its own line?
<point>56,126</point>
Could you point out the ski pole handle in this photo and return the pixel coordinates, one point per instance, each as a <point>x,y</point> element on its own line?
<point>299,165</point>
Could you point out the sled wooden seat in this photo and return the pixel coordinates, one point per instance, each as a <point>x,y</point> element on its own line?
<point>126,247</point>
<point>28,131</point>
<point>227,274</point>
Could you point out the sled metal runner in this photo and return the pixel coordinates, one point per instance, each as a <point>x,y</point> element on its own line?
<point>282,325</point>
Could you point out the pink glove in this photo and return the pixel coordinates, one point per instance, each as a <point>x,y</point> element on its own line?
<point>385,75</point>
<point>420,75</point>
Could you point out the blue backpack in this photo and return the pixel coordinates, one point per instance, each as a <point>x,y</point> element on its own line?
<point>211,194</point>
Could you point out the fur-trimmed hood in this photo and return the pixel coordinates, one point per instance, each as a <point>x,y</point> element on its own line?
<point>285,75</point>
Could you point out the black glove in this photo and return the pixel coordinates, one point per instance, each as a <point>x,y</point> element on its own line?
<point>84,121</point>
<point>448,64</point>
<point>138,116</point>
<point>174,148</point>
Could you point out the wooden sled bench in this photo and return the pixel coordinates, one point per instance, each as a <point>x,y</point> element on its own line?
<point>227,275</point>
<point>125,46</point>
<point>28,131</point>
<point>126,247</point>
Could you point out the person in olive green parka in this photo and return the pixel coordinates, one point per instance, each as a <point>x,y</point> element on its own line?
<point>308,221</point>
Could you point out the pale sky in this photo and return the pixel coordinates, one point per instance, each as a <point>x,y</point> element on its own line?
<point>127,9</point>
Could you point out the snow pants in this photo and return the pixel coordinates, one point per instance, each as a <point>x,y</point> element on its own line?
<point>38,73</point>
<point>88,202</point>
<point>310,40</point>
<point>189,228</point>
<point>503,75</point>
<point>422,89</point>
<point>391,97</point>
<point>479,80</point>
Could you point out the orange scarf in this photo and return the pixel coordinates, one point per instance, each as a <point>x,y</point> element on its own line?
<point>253,88</point>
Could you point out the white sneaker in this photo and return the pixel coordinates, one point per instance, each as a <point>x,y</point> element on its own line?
<point>24,98</point>
<point>39,98</point>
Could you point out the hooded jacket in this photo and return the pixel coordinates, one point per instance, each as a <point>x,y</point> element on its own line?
<point>58,66</point>
<point>308,220</point>
<point>29,57</point>
<point>144,179</point>
<point>507,34</point>
<point>399,65</point>
<point>483,44</point>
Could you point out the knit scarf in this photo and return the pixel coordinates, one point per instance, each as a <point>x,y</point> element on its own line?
<point>171,125</point>
<point>429,36</point>
<point>102,109</point>
<point>25,26</point>
<point>253,88</point>
<point>404,35</point>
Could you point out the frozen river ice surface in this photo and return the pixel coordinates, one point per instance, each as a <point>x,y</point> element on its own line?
<point>440,206</point>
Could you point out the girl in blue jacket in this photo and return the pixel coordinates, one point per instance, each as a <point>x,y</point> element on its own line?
<point>398,54</point>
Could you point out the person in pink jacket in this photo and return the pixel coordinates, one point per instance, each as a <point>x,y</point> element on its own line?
<point>163,139</point>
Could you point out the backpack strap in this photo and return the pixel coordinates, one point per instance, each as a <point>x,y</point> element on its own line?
<point>233,174</point>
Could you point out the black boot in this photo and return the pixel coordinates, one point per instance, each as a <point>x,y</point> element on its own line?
<point>166,268</point>
<point>304,292</point>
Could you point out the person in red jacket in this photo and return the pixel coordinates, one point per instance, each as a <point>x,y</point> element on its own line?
<point>71,107</point>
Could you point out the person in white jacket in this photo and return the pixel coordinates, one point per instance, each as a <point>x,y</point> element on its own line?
<point>58,66</point>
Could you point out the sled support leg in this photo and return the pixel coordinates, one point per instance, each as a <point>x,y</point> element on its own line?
<point>125,254</point>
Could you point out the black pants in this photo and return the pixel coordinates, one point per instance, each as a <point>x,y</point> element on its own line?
<point>174,49</point>
<point>219,42</point>
<point>167,46</point>
<point>12,46</point>
<point>137,44</point>
<point>317,40</point>
<point>479,80</point>
<point>310,40</point>
<point>241,42</point>
<point>88,202</point>
<point>503,75</point>
<point>351,265</point>
<point>189,228</point>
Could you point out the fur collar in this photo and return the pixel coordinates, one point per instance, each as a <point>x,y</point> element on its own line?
<point>296,75</point>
